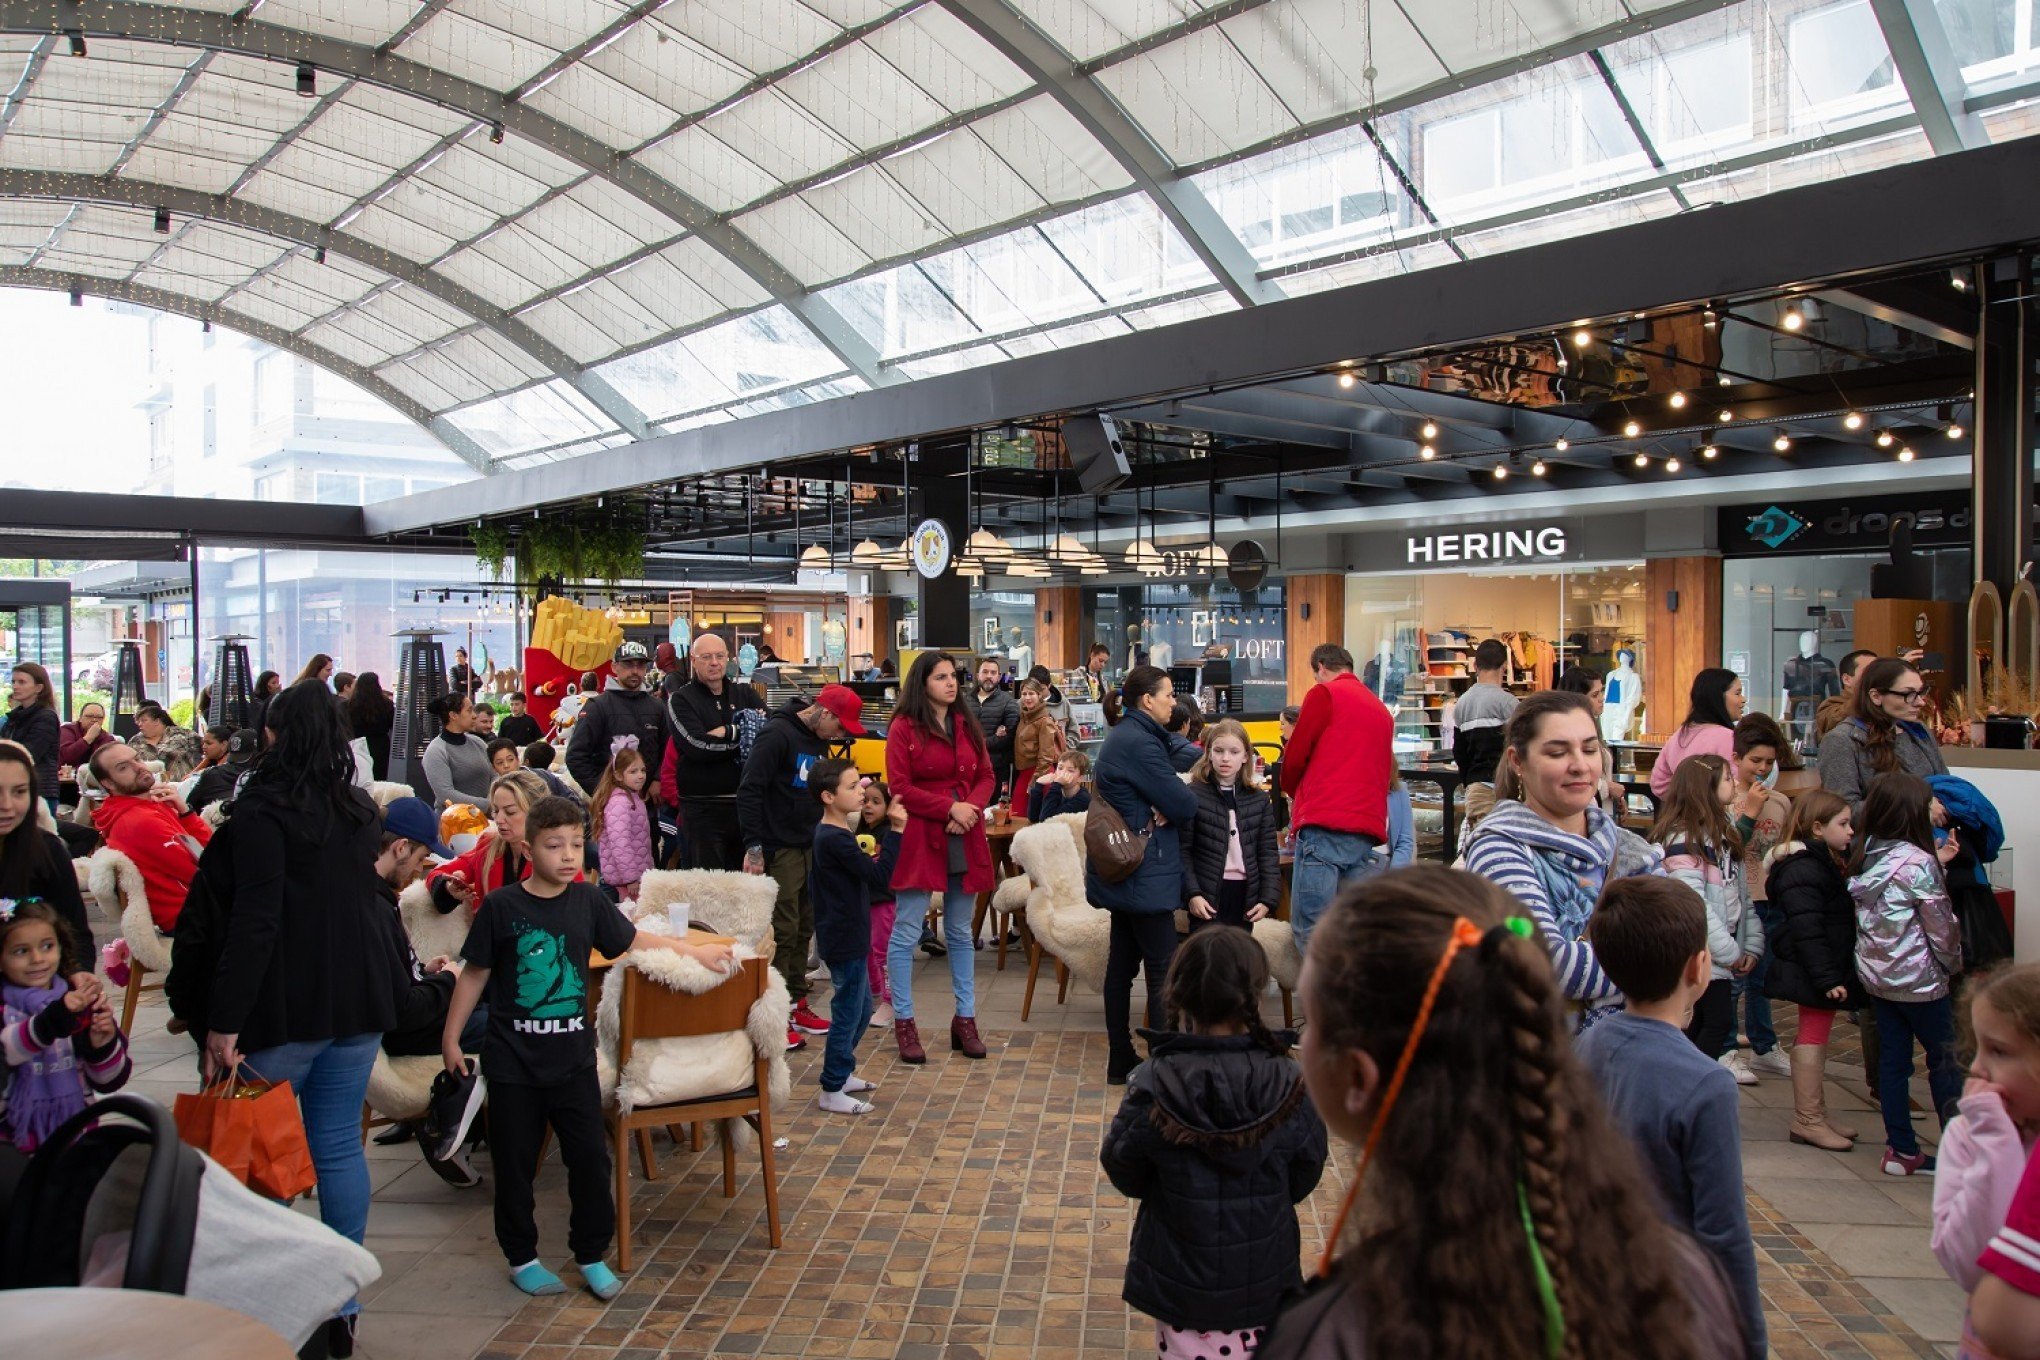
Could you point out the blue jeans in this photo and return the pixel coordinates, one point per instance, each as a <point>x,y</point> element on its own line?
<point>849,1013</point>
<point>330,1077</point>
<point>1898,1024</point>
<point>957,908</point>
<point>1749,988</point>
<point>1326,861</point>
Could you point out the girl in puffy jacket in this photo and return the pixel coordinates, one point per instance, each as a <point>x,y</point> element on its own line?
<point>1703,851</point>
<point>1908,950</point>
<point>1813,955</point>
<point>1218,1140</point>
<point>1232,867</point>
<point>617,819</point>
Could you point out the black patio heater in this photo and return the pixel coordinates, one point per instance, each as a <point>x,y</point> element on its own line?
<point>232,702</point>
<point>421,678</point>
<point>127,685</point>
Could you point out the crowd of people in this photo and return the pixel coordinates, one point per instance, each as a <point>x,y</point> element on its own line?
<point>1564,1001</point>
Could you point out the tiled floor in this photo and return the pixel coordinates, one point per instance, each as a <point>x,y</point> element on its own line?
<point>967,1217</point>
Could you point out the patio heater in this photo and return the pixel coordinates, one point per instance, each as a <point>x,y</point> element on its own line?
<point>421,678</point>
<point>127,685</point>
<point>232,701</point>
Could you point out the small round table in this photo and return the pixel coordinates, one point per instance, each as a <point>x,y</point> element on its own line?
<point>111,1324</point>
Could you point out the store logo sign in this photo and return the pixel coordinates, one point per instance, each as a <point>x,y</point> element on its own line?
<point>1487,545</point>
<point>1775,527</point>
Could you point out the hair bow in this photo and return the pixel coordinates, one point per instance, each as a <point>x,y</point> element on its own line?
<point>628,741</point>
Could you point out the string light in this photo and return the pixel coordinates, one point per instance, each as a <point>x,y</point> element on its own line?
<point>1561,444</point>
<point>1501,473</point>
<point>1782,442</point>
<point>1905,455</point>
<point>1725,417</point>
<point>1723,380</point>
<point>1709,452</point>
<point>1709,320</point>
<point>1347,380</point>
<point>1885,439</point>
<point>1537,468</point>
<point>1631,429</point>
<point>1678,401</point>
<point>1792,319</point>
<point>1429,431</point>
<point>1672,463</point>
<point>1955,430</point>
<point>1643,460</point>
<point>1427,453</point>
<point>1853,421</point>
<point>1582,337</point>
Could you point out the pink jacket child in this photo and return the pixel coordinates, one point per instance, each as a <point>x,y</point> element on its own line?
<point>1982,1156</point>
<point>623,828</point>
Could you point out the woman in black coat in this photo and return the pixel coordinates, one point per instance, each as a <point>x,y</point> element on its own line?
<point>370,716</point>
<point>1813,955</point>
<point>306,984</point>
<point>34,723</point>
<point>1231,809</point>
<point>1137,776</point>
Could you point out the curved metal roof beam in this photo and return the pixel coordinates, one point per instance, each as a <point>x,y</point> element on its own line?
<point>1180,202</point>
<point>58,281</point>
<point>180,27</point>
<point>236,212</point>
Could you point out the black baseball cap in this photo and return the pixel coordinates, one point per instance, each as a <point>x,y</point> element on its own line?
<point>243,746</point>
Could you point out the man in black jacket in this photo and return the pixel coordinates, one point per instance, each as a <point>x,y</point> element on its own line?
<point>704,750</point>
<point>777,813</point>
<point>628,707</point>
<point>998,713</point>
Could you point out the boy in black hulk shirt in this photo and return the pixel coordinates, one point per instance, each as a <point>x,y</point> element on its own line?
<point>528,951</point>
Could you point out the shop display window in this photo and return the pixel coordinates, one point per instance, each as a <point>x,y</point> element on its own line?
<point>1183,625</point>
<point>1002,626</point>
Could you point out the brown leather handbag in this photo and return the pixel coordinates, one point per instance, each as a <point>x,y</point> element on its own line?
<point>1113,848</point>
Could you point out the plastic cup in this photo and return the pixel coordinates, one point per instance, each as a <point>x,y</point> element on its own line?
<point>676,917</point>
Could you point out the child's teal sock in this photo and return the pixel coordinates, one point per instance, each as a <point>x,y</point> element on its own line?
<point>535,1279</point>
<point>599,1278</point>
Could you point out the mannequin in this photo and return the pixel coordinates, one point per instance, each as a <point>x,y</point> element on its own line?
<point>1624,695</point>
<point>1160,654</point>
<point>1136,655</point>
<point>1384,675</point>
<point>1809,678</point>
<point>1022,655</point>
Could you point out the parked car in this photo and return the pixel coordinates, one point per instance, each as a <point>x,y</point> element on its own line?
<point>97,673</point>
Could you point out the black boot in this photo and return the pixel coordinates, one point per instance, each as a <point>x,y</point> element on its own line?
<point>931,943</point>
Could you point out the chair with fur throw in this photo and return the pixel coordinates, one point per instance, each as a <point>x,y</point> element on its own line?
<point>117,886</point>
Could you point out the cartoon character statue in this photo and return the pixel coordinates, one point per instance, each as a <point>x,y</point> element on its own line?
<point>567,642</point>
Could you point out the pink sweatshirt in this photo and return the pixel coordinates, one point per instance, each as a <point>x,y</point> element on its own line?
<point>1982,1157</point>
<point>626,842</point>
<point>1701,739</point>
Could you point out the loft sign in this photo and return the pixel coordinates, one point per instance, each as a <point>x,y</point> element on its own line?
<point>1529,544</point>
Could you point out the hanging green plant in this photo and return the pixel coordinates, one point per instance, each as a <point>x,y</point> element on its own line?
<point>615,552</point>
<point>492,549</point>
<point>552,549</point>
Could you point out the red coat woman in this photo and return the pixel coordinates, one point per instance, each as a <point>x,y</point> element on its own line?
<point>936,763</point>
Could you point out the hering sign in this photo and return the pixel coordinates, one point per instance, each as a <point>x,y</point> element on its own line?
<point>1487,545</point>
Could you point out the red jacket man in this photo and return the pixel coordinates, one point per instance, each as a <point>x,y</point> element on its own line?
<point>148,822</point>
<point>1336,769</point>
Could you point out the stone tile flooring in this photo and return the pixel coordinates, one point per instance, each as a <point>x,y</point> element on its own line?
<point>966,1217</point>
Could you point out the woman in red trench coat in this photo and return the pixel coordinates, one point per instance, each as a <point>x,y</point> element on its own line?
<point>936,763</point>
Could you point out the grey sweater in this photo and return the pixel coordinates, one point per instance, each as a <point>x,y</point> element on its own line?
<point>1845,765</point>
<point>1680,1110</point>
<point>457,768</point>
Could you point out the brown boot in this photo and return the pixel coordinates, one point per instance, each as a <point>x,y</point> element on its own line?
<point>1809,1104</point>
<point>1827,1117</point>
<point>909,1040</point>
<point>963,1037</point>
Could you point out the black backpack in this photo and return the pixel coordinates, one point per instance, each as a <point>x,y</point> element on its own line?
<point>202,933</point>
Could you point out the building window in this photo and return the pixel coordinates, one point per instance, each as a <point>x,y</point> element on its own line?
<point>336,488</point>
<point>161,445</point>
<point>273,486</point>
<point>272,387</point>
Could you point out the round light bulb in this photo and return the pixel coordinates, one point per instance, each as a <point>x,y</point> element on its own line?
<point>1708,451</point>
<point>1672,464</point>
<point>1853,421</point>
<point>1678,401</point>
<point>1783,443</point>
<point>1347,380</point>
<point>1643,460</point>
<point>1793,319</point>
<point>1429,431</point>
<point>1582,337</point>
<point>1501,473</point>
<point>1631,429</point>
<point>1955,430</point>
<point>1427,453</point>
<point>1885,439</point>
<point>1905,455</point>
<point>1562,444</point>
<point>1726,416</point>
<point>1537,468</point>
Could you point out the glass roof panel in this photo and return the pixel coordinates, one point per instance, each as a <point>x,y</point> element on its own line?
<point>808,243</point>
<point>756,36</point>
<point>394,321</point>
<point>1468,34</point>
<point>1810,165</point>
<point>1042,144</point>
<point>837,93</point>
<point>212,258</point>
<point>1310,199</point>
<point>1081,333</point>
<point>586,98</point>
<point>102,241</point>
<point>368,22</point>
<point>665,67</point>
<point>1198,97</point>
<point>535,418</point>
<point>844,386</point>
<point>765,349</point>
<point>1126,252</point>
<point>1091,28</point>
<point>502,46</point>
<point>951,361</point>
<point>901,311</point>
<point>299,291</point>
<point>697,162</point>
<point>878,215</point>
<point>25,228</point>
<point>1992,39</point>
<point>1186,309</point>
<point>488,362</point>
<point>1315,54</point>
<point>960,183</point>
<point>1362,269</point>
<point>779,136</point>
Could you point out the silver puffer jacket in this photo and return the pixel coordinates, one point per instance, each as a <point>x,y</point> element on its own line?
<point>1908,945</point>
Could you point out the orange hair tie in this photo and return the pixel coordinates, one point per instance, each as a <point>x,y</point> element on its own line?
<point>1465,935</point>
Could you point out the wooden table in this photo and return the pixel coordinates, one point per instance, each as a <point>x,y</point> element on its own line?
<point>119,1324</point>
<point>999,839</point>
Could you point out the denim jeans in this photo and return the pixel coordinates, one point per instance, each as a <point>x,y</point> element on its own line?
<point>1899,1023</point>
<point>330,1077</point>
<point>911,906</point>
<point>849,1013</point>
<point>1326,861</point>
<point>1750,1000</point>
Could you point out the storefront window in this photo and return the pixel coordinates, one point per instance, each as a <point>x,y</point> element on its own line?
<point>1186,625</point>
<point>1002,626</point>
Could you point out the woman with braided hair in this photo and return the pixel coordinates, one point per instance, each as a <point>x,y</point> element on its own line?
<point>1218,1141</point>
<point>1495,1214</point>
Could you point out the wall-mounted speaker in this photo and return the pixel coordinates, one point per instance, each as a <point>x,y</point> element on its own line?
<point>1096,453</point>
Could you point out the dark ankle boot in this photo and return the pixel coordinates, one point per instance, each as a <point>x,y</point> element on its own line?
<point>909,1040</point>
<point>963,1037</point>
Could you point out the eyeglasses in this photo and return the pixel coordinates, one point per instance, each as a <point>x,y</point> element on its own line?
<point>1910,696</point>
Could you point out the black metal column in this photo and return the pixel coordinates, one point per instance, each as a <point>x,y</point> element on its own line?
<point>2001,473</point>
<point>940,492</point>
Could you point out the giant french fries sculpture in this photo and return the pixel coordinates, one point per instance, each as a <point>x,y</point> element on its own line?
<point>567,642</point>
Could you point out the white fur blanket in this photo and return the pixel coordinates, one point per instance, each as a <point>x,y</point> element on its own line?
<point>118,888</point>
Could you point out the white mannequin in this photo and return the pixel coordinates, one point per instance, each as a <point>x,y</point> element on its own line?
<point>1160,654</point>
<point>1624,697</point>
<point>1021,653</point>
<point>1809,645</point>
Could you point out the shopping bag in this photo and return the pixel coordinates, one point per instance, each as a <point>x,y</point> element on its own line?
<point>253,1129</point>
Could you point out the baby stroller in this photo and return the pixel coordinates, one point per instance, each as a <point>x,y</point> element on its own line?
<point>114,1199</point>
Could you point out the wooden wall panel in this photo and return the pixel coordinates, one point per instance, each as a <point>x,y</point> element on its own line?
<point>788,632</point>
<point>1059,627</point>
<point>1679,645</point>
<point>1323,598</point>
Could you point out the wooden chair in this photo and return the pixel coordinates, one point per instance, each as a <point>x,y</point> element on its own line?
<point>651,1011</point>
<point>148,948</point>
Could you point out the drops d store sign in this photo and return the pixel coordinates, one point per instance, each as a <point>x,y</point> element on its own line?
<point>1482,546</point>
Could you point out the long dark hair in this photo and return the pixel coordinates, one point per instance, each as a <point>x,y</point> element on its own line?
<point>309,767</point>
<point>1217,978</point>
<point>1896,807</point>
<point>263,682</point>
<point>1446,1269</point>
<point>368,708</point>
<point>1706,702</point>
<point>24,851</point>
<point>46,699</point>
<point>1579,680</point>
<point>1140,682</point>
<point>1880,675</point>
<point>312,668</point>
<point>916,707</point>
<point>1693,813</point>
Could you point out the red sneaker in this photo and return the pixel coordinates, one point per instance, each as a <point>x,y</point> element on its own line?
<point>795,1040</point>
<point>805,1019</point>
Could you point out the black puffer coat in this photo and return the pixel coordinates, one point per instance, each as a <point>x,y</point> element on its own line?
<point>1206,836</point>
<point>1219,1143</point>
<point>1816,949</point>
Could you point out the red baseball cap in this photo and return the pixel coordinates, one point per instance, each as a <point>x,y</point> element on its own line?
<point>842,701</point>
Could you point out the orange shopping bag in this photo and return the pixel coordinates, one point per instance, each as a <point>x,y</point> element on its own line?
<point>253,1129</point>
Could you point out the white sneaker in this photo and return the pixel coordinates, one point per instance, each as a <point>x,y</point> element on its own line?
<point>882,1017</point>
<point>1738,1067</point>
<point>1775,1063</point>
<point>818,973</point>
